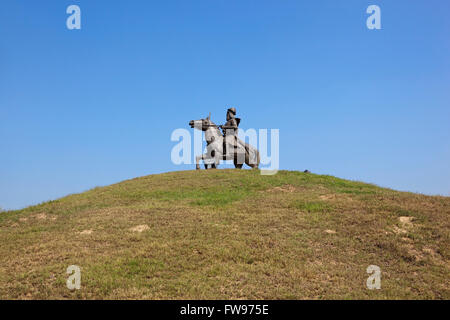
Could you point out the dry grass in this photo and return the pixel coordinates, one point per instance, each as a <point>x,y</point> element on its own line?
<point>224,234</point>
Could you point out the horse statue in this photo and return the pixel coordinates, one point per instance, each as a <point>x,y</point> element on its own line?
<point>235,149</point>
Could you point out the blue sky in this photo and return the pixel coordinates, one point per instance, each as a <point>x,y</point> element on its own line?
<point>91,107</point>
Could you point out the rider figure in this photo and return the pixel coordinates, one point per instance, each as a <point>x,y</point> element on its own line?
<point>230,129</point>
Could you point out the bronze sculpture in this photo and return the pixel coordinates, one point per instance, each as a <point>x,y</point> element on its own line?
<point>226,145</point>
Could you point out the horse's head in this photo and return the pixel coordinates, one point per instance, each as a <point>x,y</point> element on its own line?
<point>202,124</point>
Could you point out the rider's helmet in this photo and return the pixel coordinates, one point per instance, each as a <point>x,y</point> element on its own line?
<point>232,110</point>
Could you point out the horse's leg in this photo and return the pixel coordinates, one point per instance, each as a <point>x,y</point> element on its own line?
<point>252,160</point>
<point>206,161</point>
<point>212,157</point>
<point>207,164</point>
<point>209,156</point>
<point>237,163</point>
<point>215,156</point>
<point>239,155</point>
<point>197,161</point>
<point>247,162</point>
<point>238,160</point>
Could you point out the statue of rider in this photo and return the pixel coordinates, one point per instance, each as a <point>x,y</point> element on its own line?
<point>230,129</point>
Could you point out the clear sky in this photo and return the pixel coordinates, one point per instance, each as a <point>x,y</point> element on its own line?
<point>91,107</point>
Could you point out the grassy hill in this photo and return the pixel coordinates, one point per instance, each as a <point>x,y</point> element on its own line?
<point>222,234</point>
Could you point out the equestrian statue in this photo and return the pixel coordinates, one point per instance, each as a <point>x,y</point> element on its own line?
<point>225,144</point>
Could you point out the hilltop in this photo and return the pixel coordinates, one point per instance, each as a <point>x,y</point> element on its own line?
<point>222,234</point>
